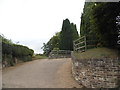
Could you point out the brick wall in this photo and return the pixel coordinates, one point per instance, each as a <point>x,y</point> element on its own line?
<point>97,73</point>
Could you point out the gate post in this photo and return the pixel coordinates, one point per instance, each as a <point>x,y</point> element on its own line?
<point>85,43</point>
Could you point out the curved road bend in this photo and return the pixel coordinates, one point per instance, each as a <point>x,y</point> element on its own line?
<point>53,73</point>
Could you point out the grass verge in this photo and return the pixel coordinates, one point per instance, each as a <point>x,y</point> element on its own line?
<point>38,57</point>
<point>97,53</point>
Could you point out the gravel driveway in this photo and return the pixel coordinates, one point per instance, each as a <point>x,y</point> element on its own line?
<point>53,73</point>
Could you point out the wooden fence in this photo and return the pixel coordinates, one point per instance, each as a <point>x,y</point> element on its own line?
<point>84,43</point>
<point>59,54</point>
<point>80,44</point>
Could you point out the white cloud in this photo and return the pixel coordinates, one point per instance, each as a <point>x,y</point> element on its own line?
<point>32,21</point>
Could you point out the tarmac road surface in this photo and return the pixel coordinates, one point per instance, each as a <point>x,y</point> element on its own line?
<point>45,73</point>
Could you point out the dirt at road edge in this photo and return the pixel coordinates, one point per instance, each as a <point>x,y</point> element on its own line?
<point>65,76</point>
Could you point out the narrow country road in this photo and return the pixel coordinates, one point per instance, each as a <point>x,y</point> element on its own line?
<point>53,73</point>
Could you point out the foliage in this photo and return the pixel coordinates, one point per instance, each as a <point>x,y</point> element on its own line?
<point>75,34</point>
<point>56,49</point>
<point>51,44</point>
<point>106,20</point>
<point>11,50</point>
<point>39,56</point>
<point>46,49</point>
<point>67,35</point>
<point>19,50</point>
<point>98,20</point>
<point>86,19</point>
<point>62,40</point>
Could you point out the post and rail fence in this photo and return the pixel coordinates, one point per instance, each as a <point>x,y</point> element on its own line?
<point>79,45</point>
<point>85,42</point>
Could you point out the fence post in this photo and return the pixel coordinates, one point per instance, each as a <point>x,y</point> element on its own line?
<point>85,43</point>
<point>74,46</point>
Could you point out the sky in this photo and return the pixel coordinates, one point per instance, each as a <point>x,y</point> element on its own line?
<point>34,22</point>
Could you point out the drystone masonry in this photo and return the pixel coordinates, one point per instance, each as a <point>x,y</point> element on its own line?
<point>97,73</point>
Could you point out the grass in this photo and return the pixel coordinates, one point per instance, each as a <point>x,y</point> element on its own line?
<point>97,53</point>
<point>38,57</point>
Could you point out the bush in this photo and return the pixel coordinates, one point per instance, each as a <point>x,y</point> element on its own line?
<point>11,50</point>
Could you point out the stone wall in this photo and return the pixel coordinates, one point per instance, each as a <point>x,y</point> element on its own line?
<point>97,73</point>
<point>10,62</point>
<point>59,54</point>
